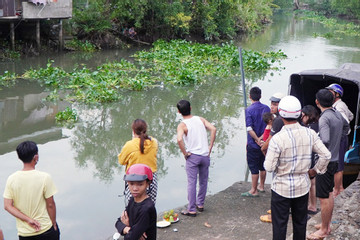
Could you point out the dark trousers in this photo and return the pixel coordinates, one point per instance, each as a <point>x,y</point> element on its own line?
<point>50,234</point>
<point>280,208</point>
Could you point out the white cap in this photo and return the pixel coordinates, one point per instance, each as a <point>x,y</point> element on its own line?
<point>289,107</point>
<point>276,97</point>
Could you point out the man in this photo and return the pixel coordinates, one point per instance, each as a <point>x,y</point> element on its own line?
<point>193,143</point>
<point>277,123</point>
<point>289,158</point>
<point>332,126</point>
<point>340,106</point>
<point>28,196</point>
<point>255,128</point>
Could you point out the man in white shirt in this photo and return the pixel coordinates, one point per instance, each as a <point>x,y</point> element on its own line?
<point>193,143</point>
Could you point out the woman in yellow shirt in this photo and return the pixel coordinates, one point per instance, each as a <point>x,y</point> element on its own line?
<point>141,149</point>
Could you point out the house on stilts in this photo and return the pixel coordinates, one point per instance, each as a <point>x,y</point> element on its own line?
<point>15,13</point>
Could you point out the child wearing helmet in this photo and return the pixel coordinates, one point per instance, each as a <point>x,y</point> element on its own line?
<point>139,218</point>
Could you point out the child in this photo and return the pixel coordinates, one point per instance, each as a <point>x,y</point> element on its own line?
<point>138,221</point>
<point>268,118</point>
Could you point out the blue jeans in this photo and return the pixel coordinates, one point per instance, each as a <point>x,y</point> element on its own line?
<point>196,164</point>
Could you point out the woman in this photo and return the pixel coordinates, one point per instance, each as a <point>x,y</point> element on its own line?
<point>141,149</point>
<point>310,119</point>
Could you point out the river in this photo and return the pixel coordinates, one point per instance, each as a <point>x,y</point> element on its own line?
<point>83,160</point>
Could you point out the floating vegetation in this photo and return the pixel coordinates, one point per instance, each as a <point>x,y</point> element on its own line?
<point>184,63</point>
<point>328,35</point>
<point>67,117</point>
<point>339,27</point>
<point>8,79</point>
<point>175,62</point>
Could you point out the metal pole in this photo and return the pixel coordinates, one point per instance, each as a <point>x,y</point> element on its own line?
<point>244,93</point>
<point>38,34</point>
<point>61,39</point>
<point>12,36</point>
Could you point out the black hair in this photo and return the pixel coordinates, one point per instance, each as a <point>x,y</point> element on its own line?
<point>184,107</point>
<point>139,127</point>
<point>325,98</point>
<point>26,151</point>
<point>312,113</point>
<point>290,119</point>
<point>267,117</point>
<point>255,93</point>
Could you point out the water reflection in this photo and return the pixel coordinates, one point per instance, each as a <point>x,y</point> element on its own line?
<point>105,129</point>
<point>24,114</point>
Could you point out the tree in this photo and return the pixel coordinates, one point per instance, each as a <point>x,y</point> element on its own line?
<point>296,4</point>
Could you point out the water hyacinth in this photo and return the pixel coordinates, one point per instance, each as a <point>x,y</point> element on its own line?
<point>67,117</point>
<point>176,62</point>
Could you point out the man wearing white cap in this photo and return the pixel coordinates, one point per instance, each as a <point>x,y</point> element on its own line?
<point>289,158</point>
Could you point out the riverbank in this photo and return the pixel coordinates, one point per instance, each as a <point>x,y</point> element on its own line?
<point>228,215</point>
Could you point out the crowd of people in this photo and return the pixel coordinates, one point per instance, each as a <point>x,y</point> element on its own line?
<point>304,150</point>
<point>29,193</point>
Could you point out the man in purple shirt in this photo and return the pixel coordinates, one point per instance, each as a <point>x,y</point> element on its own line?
<point>255,128</point>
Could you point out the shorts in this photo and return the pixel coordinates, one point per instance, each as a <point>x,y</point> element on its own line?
<point>325,182</point>
<point>255,159</point>
<point>343,147</point>
<point>50,234</point>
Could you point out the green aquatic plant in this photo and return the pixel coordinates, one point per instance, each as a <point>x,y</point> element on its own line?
<point>338,27</point>
<point>67,117</point>
<point>8,79</point>
<point>184,63</point>
<point>49,76</point>
<point>327,35</point>
<point>175,62</point>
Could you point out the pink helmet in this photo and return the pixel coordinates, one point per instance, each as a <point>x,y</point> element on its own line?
<point>138,172</point>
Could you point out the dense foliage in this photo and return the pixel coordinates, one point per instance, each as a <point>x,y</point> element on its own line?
<point>209,19</point>
<point>348,8</point>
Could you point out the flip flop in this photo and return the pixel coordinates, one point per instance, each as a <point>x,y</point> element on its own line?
<point>200,209</point>
<point>312,212</point>
<point>187,213</point>
<point>261,191</point>
<point>247,194</point>
<point>266,218</point>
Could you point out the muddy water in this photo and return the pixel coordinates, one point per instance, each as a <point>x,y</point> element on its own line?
<point>83,160</point>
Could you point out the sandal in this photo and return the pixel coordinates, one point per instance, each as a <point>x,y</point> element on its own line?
<point>247,194</point>
<point>266,218</point>
<point>200,209</point>
<point>187,213</point>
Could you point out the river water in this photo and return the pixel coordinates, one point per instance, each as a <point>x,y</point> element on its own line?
<point>83,160</point>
